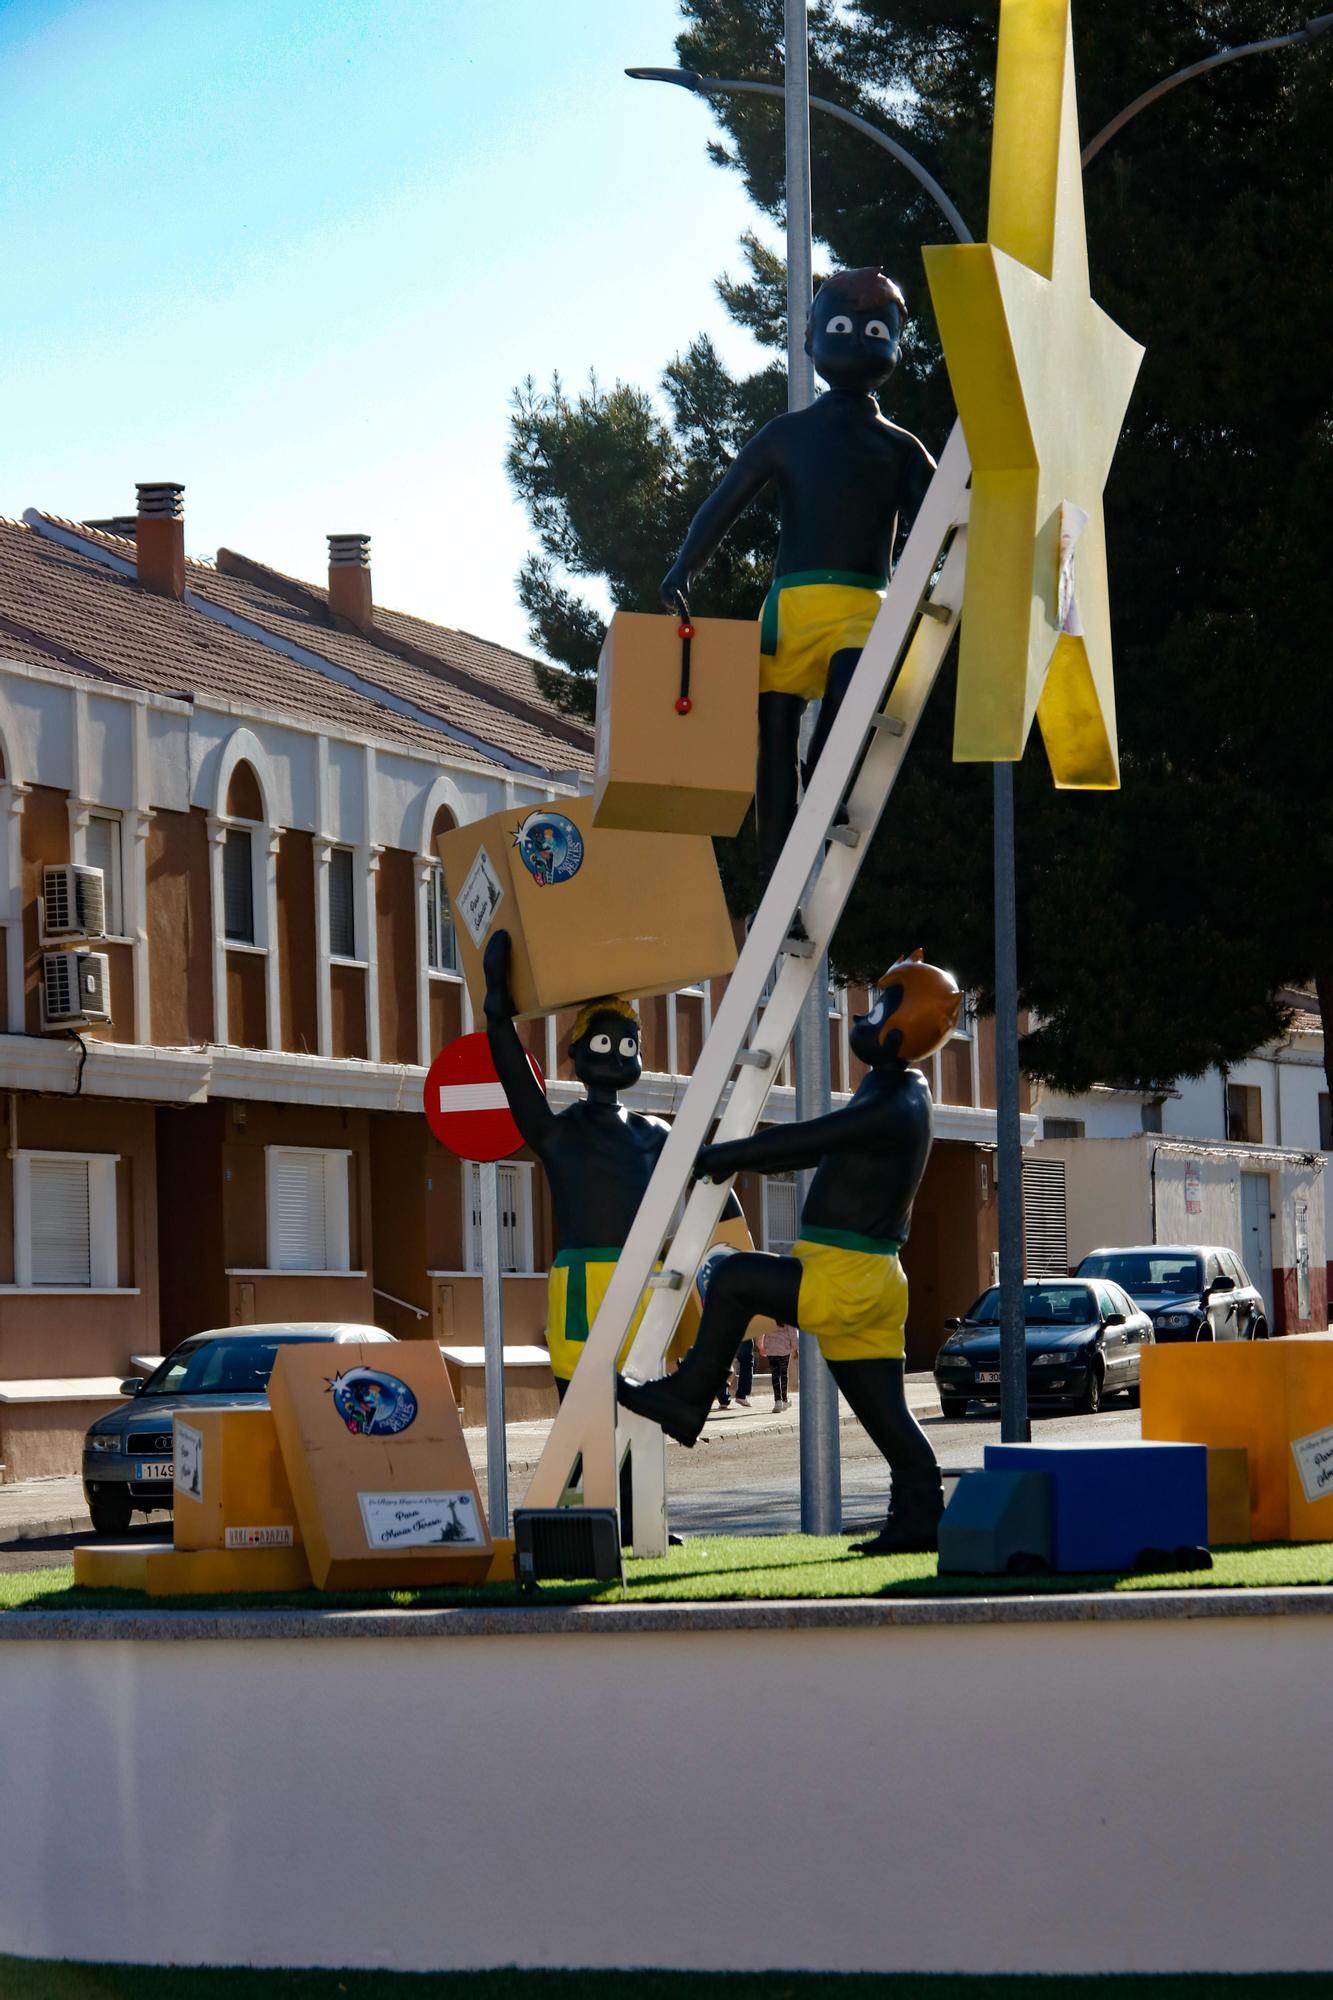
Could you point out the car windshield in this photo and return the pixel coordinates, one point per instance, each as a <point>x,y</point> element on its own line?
<point>217,1367</point>
<point>1043,1305</point>
<point>1147,1273</point>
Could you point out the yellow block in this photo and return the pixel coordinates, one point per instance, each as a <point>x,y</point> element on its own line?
<point>231,1487</point>
<point>167,1572</point>
<point>384,1488</point>
<point>656,770</point>
<point>589,909</point>
<point>1228,1497</point>
<point>1274,1399</point>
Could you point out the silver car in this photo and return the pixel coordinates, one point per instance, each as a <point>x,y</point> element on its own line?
<point>127,1454</point>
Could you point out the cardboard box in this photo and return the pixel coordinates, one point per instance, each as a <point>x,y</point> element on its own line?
<point>383,1484</point>
<point>1274,1398</point>
<point>231,1489</point>
<point>589,910</point>
<point>657,770</point>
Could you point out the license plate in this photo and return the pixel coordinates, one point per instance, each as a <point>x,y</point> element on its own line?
<point>155,1469</point>
<point>988,1374</point>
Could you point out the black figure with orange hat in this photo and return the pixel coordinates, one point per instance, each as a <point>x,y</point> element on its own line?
<point>843,1281</point>
<point>845,478</point>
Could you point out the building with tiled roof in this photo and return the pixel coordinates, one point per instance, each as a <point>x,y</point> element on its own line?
<point>210,1080</point>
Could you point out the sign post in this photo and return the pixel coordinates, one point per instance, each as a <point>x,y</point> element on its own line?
<point>468,1112</point>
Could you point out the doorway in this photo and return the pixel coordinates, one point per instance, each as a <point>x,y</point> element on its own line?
<point>1256,1226</point>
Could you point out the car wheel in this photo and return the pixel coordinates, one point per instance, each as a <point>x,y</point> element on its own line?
<point>111,1512</point>
<point>1090,1401</point>
<point>1259,1329</point>
<point>953,1406</point>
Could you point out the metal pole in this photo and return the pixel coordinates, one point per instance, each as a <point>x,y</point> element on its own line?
<point>493,1334</point>
<point>821,1481</point>
<point>1014,1425</point>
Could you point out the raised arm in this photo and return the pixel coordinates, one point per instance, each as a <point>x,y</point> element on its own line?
<point>749,473</point>
<point>527,1100</point>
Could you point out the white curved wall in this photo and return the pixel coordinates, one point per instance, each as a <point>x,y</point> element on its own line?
<point>1072,1797</point>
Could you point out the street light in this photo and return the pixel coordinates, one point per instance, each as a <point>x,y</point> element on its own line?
<point>1013,1406</point>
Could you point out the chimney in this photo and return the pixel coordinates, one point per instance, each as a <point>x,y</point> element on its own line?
<point>349,581</point>
<point>159,537</point>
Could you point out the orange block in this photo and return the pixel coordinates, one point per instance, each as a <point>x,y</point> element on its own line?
<point>1272,1398</point>
<point>231,1487</point>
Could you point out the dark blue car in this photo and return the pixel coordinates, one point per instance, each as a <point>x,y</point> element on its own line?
<point>1084,1339</point>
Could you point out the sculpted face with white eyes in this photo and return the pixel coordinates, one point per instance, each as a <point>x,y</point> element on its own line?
<point>855,330</point>
<point>606,1055</point>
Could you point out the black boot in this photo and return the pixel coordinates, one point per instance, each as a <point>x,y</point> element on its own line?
<point>678,1403</point>
<point>912,1526</point>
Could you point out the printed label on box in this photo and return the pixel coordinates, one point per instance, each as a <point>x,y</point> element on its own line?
<point>259,1538</point>
<point>1314,1461</point>
<point>481,897</point>
<point>413,1520</point>
<point>189,1473</point>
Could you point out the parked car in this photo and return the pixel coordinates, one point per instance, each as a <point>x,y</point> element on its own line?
<point>127,1454</point>
<point>1191,1291</point>
<point>1084,1339</point>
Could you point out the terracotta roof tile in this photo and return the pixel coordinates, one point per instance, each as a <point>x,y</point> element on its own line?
<point>74,602</point>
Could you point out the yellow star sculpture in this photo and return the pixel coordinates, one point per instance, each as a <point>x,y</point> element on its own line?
<point>1042,379</point>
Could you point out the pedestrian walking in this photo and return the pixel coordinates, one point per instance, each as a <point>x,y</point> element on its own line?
<point>778,1346</point>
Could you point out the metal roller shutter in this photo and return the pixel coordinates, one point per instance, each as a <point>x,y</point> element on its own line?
<point>1045,1220</point>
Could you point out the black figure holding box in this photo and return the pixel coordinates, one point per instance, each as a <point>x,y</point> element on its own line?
<point>846,477</point>
<point>843,1281</point>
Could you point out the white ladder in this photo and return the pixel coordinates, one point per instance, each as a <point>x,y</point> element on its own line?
<point>737,1067</point>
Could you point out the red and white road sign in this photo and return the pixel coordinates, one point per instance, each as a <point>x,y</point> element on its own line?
<point>465,1103</point>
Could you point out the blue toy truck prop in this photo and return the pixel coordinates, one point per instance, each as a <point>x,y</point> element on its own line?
<point>1115,1506</point>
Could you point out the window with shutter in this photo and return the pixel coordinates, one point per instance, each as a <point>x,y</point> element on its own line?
<point>101,849</point>
<point>61,1229</point>
<point>342,903</point>
<point>307,1206</point>
<point>1045,1221</point>
<point>780,1213</point>
<point>238,887</point>
<point>441,944</point>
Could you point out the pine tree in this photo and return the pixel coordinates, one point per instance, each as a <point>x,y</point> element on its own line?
<point>1157,927</point>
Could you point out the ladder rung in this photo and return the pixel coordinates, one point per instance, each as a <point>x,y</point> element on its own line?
<point>929,609</point>
<point>846,836</point>
<point>666,1281</point>
<point>756,1058</point>
<point>892,725</point>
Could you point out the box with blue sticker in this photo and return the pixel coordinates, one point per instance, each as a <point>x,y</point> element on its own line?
<point>1112,1503</point>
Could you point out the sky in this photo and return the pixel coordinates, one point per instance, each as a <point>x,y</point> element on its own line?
<point>298,253</point>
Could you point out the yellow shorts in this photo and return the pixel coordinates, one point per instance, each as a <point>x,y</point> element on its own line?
<point>806,619</point>
<point>574,1293</point>
<point>854,1301</point>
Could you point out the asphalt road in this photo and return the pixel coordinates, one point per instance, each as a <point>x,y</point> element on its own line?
<point>743,1477</point>
<point>752,1484</point>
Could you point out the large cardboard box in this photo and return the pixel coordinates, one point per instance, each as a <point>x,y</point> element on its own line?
<point>1274,1399</point>
<point>230,1489</point>
<point>383,1484</point>
<point>658,770</point>
<point>590,910</point>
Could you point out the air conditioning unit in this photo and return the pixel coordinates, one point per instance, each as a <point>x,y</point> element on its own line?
<point>76,986</point>
<point>73,901</point>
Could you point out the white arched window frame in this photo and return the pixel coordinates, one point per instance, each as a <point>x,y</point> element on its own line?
<point>244,747</point>
<point>444,793</point>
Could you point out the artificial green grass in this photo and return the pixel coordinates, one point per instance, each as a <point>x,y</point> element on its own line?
<point>42,1979</point>
<point>721,1568</point>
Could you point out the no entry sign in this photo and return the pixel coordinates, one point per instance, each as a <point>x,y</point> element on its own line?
<point>465,1102</point>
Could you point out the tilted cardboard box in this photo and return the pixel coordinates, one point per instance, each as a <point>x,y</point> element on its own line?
<point>383,1484</point>
<point>657,770</point>
<point>231,1487</point>
<point>589,909</point>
